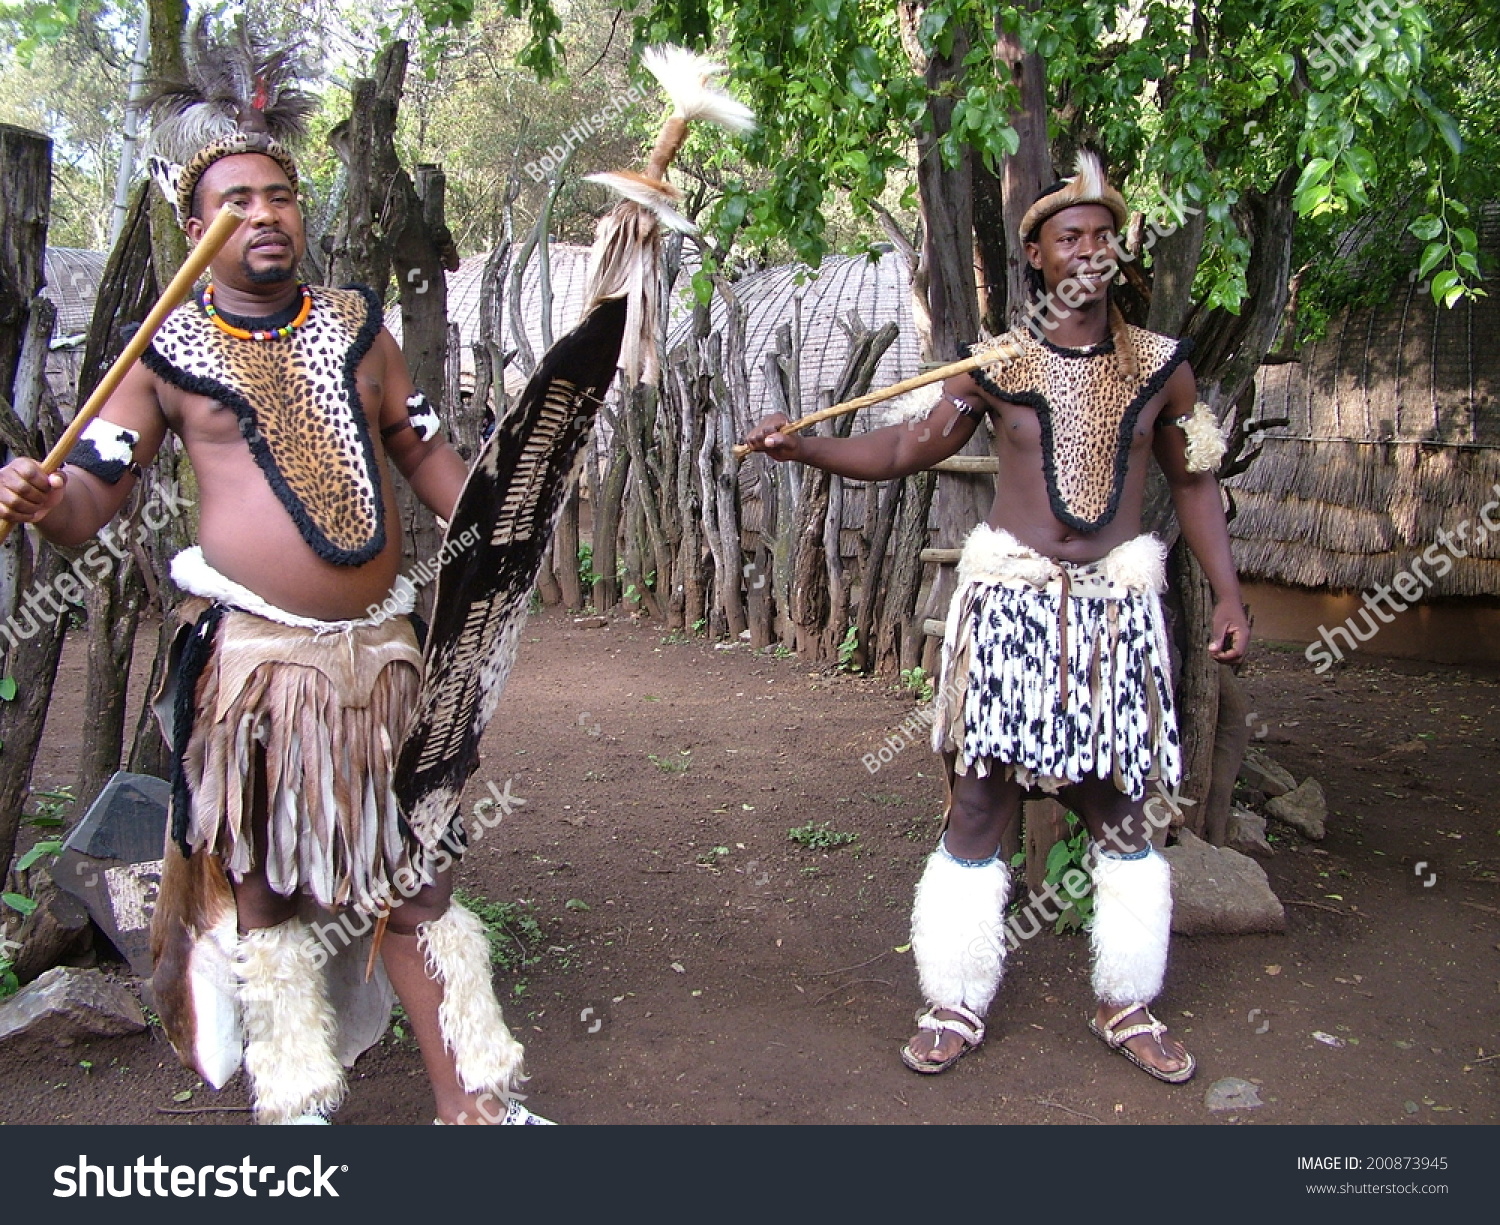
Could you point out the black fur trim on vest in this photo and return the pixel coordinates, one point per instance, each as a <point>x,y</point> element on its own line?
<point>311,532</point>
<point>1148,389</point>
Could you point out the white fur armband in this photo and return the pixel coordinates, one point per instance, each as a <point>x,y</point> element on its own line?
<point>105,449</point>
<point>1206,443</point>
<point>423,417</point>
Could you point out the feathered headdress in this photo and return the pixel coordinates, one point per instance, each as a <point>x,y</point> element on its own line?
<point>1087,186</point>
<point>627,246</point>
<point>243,95</point>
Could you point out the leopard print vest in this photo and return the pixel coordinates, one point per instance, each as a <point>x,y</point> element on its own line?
<point>299,408</point>
<point>1087,409</point>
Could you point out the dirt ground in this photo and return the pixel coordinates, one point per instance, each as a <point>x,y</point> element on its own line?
<point>697,965</point>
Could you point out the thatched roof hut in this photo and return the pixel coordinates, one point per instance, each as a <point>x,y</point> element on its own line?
<point>73,278</point>
<point>1392,434</point>
<point>813,304</point>
<point>568,271</point>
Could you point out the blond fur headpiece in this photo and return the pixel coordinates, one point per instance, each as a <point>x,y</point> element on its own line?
<point>1087,186</point>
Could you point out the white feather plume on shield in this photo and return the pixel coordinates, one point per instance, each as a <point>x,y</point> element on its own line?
<point>684,76</point>
<point>627,243</point>
<point>517,487</point>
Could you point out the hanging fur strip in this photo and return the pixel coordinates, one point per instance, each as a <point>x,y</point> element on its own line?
<point>242,95</point>
<point>517,487</point>
<point>287,696</point>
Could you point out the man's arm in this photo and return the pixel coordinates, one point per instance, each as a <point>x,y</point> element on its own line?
<point>433,469</point>
<point>1200,514</point>
<point>883,454</point>
<point>72,505</point>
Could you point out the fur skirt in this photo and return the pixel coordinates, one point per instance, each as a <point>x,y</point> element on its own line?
<point>1056,671</point>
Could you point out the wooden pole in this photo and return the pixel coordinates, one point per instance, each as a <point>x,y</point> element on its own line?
<point>214,238</point>
<point>1007,352</point>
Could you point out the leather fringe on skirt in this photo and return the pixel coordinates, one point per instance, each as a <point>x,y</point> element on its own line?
<point>315,719</point>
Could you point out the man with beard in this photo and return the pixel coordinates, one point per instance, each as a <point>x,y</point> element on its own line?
<point>293,403</point>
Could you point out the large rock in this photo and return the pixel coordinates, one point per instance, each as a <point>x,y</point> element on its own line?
<point>1304,809</point>
<point>111,862</point>
<point>1260,773</point>
<point>1247,833</point>
<point>65,1006</point>
<point>1216,891</point>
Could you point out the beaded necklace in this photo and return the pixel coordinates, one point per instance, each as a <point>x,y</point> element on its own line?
<point>280,333</point>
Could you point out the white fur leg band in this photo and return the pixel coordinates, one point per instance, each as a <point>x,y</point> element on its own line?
<point>957,930</point>
<point>485,1055</point>
<point>290,1027</point>
<point>1132,925</point>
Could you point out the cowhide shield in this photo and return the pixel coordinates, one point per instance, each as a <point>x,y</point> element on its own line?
<point>511,501</point>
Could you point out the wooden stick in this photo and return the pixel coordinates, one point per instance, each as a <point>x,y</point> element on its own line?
<point>1008,351</point>
<point>225,224</point>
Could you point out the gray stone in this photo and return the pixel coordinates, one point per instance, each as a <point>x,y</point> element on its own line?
<point>1232,1093</point>
<point>1305,809</point>
<point>1217,891</point>
<point>65,1006</point>
<point>1247,833</point>
<point>1261,773</point>
<point>111,862</point>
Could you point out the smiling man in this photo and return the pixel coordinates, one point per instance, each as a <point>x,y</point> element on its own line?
<point>288,699</point>
<point>1055,675</point>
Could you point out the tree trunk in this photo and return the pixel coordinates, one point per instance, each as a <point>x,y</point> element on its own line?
<point>149,753</point>
<point>946,278</point>
<point>1231,737</point>
<point>1028,170</point>
<point>1229,349</point>
<point>114,612</point>
<point>1197,691</point>
<point>1044,824</point>
<point>565,554</point>
<point>394,224</point>
<point>127,293</point>
<point>606,554</point>
<point>26,321</point>
<point>25,199</point>
<point>166,65</point>
<point>899,640</point>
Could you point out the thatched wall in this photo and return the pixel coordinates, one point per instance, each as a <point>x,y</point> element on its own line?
<point>1393,435</point>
